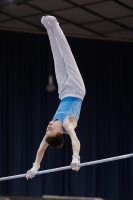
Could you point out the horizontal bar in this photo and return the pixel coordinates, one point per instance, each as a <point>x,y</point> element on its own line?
<point>68,167</point>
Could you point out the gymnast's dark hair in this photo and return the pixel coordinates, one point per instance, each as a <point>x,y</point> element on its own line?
<point>55,141</point>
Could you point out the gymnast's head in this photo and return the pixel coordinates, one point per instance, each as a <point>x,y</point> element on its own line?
<point>54,134</point>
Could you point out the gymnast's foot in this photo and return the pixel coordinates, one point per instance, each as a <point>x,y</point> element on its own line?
<point>45,23</point>
<point>52,21</point>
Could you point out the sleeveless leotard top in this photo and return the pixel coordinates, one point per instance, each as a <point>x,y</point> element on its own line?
<point>68,107</point>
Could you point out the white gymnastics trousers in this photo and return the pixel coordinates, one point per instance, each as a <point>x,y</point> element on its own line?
<point>70,82</point>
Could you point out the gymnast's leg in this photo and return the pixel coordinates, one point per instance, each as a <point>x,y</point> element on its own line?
<point>60,71</point>
<point>70,63</point>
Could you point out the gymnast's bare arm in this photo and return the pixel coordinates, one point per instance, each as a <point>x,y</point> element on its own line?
<point>69,126</point>
<point>36,165</point>
<point>41,151</point>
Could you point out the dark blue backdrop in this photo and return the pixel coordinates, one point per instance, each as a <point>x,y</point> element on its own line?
<point>105,127</point>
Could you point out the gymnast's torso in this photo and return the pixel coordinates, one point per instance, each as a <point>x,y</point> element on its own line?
<point>68,111</point>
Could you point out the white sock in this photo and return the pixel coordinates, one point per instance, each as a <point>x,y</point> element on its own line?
<point>45,23</point>
<point>52,21</point>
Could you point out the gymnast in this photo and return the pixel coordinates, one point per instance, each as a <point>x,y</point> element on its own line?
<point>71,91</point>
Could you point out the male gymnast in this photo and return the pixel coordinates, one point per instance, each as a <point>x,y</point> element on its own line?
<point>71,91</point>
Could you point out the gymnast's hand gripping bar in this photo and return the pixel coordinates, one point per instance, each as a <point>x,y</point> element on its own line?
<point>68,167</point>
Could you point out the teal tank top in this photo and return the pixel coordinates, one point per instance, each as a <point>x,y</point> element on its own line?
<point>68,107</point>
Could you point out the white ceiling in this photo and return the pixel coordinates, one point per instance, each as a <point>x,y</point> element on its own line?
<point>105,19</point>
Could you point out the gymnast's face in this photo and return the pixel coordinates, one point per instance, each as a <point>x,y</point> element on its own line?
<point>53,128</point>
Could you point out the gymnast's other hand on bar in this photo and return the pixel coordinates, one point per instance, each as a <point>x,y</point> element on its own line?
<point>75,162</point>
<point>31,173</point>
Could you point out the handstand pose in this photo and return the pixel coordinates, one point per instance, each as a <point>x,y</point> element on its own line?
<point>71,91</point>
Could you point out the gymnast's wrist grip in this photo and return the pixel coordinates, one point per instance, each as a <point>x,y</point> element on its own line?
<point>76,157</point>
<point>36,167</point>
